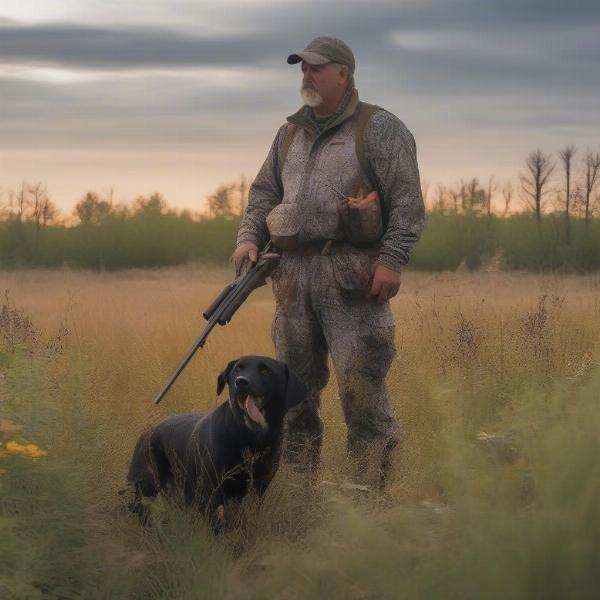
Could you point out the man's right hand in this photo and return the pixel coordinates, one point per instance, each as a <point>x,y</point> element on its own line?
<point>246,250</point>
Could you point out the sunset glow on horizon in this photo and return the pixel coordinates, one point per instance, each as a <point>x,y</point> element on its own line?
<point>180,97</point>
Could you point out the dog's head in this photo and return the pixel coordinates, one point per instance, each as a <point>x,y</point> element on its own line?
<point>261,391</point>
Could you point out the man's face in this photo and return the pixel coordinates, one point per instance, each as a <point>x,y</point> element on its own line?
<point>321,83</point>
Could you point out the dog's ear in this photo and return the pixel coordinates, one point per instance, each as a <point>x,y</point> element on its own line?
<point>295,390</point>
<point>222,378</point>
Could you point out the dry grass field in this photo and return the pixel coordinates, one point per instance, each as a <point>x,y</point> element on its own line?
<point>495,491</point>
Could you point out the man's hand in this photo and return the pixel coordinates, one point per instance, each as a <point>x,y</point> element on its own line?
<point>246,250</point>
<point>386,282</point>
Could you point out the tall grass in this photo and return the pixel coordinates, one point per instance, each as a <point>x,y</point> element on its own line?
<point>494,494</point>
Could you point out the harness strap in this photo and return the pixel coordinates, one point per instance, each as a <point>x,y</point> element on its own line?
<point>365,112</point>
<point>287,142</point>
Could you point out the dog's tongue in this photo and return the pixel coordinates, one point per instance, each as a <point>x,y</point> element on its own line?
<point>253,411</point>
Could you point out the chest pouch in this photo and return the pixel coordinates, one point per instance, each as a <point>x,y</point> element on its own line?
<point>361,218</point>
<point>283,223</point>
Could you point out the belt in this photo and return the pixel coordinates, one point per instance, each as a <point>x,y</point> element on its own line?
<point>327,247</point>
<point>316,247</point>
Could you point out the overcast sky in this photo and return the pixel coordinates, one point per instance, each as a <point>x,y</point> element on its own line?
<point>180,96</point>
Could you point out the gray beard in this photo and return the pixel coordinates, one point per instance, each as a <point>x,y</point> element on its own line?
<point>311,98</point>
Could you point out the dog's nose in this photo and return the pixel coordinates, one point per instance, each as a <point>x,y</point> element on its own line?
<point>242,383</point>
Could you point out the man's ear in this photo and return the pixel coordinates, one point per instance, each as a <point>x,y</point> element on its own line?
<point>222,378</point>
<point>295,390</point>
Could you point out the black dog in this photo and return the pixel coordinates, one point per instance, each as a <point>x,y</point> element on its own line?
<point>205,459</point>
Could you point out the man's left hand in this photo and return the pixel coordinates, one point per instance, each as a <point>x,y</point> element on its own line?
<point>386,283</point>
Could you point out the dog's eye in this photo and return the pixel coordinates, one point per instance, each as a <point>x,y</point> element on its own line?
<point>264,371</point>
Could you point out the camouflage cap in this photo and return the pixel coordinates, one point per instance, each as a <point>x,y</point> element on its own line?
<point>323,50</point>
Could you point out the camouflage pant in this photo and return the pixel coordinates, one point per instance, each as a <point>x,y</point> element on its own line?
<point>323,306</point>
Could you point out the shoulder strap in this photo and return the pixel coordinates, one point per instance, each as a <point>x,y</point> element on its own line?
<point>283,152</point>
<point>365,112</point>
<point>287,142</point>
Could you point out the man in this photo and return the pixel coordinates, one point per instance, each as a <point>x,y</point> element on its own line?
<point>332,293</point>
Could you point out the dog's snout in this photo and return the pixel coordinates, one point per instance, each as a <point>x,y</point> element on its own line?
<point>242,383</point>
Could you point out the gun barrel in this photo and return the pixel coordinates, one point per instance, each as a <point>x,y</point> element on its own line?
<point>185,361</point>
<point>225,305</point>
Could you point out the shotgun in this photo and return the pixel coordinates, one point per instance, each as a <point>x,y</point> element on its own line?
<point>227,302</point>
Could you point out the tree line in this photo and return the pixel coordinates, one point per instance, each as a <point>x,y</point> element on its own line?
<point>536,188</point>
<point>543,223</point>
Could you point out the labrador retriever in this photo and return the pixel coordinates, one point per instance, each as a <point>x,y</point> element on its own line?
<point>207,459</point>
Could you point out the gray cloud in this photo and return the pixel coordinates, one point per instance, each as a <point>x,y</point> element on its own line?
<point>499,63</point>
<point>453,69</point>
<point>171,110</point>
<point>491,61</point>
<point>359,20</point>
<point>469,45</point>
<point>117,47</point>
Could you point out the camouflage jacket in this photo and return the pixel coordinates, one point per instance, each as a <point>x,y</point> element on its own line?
<point>321,165</point>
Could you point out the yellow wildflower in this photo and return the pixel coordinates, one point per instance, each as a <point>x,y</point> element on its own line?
<point>30,450</point>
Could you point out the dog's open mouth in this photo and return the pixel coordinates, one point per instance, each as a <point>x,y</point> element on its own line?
<point>253,407</point>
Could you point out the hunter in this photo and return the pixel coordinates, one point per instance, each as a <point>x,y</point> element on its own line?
<point>339,194</point>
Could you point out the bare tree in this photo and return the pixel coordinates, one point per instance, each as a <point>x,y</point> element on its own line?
<point>109,195</point>
<point>592,164</point>
<point>540,167</point>
<point>243,195</point>
<point>50,212</point>
<point>462,194</point>
<point>578,201</point>
<point>22,202</point>
<point>566,155</point>
<point>43,209</point>
<point>220,203</point>
<point>455,196</point>
<point>40,199</point>
<point>439,201</point>
<point>507,195</point>
<point>492,187</point>
<point>473,196</point>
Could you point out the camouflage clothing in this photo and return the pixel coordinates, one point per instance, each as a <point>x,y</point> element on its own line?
<point>320,162</point>
<point>319,311</point>
<point>323,301</point>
